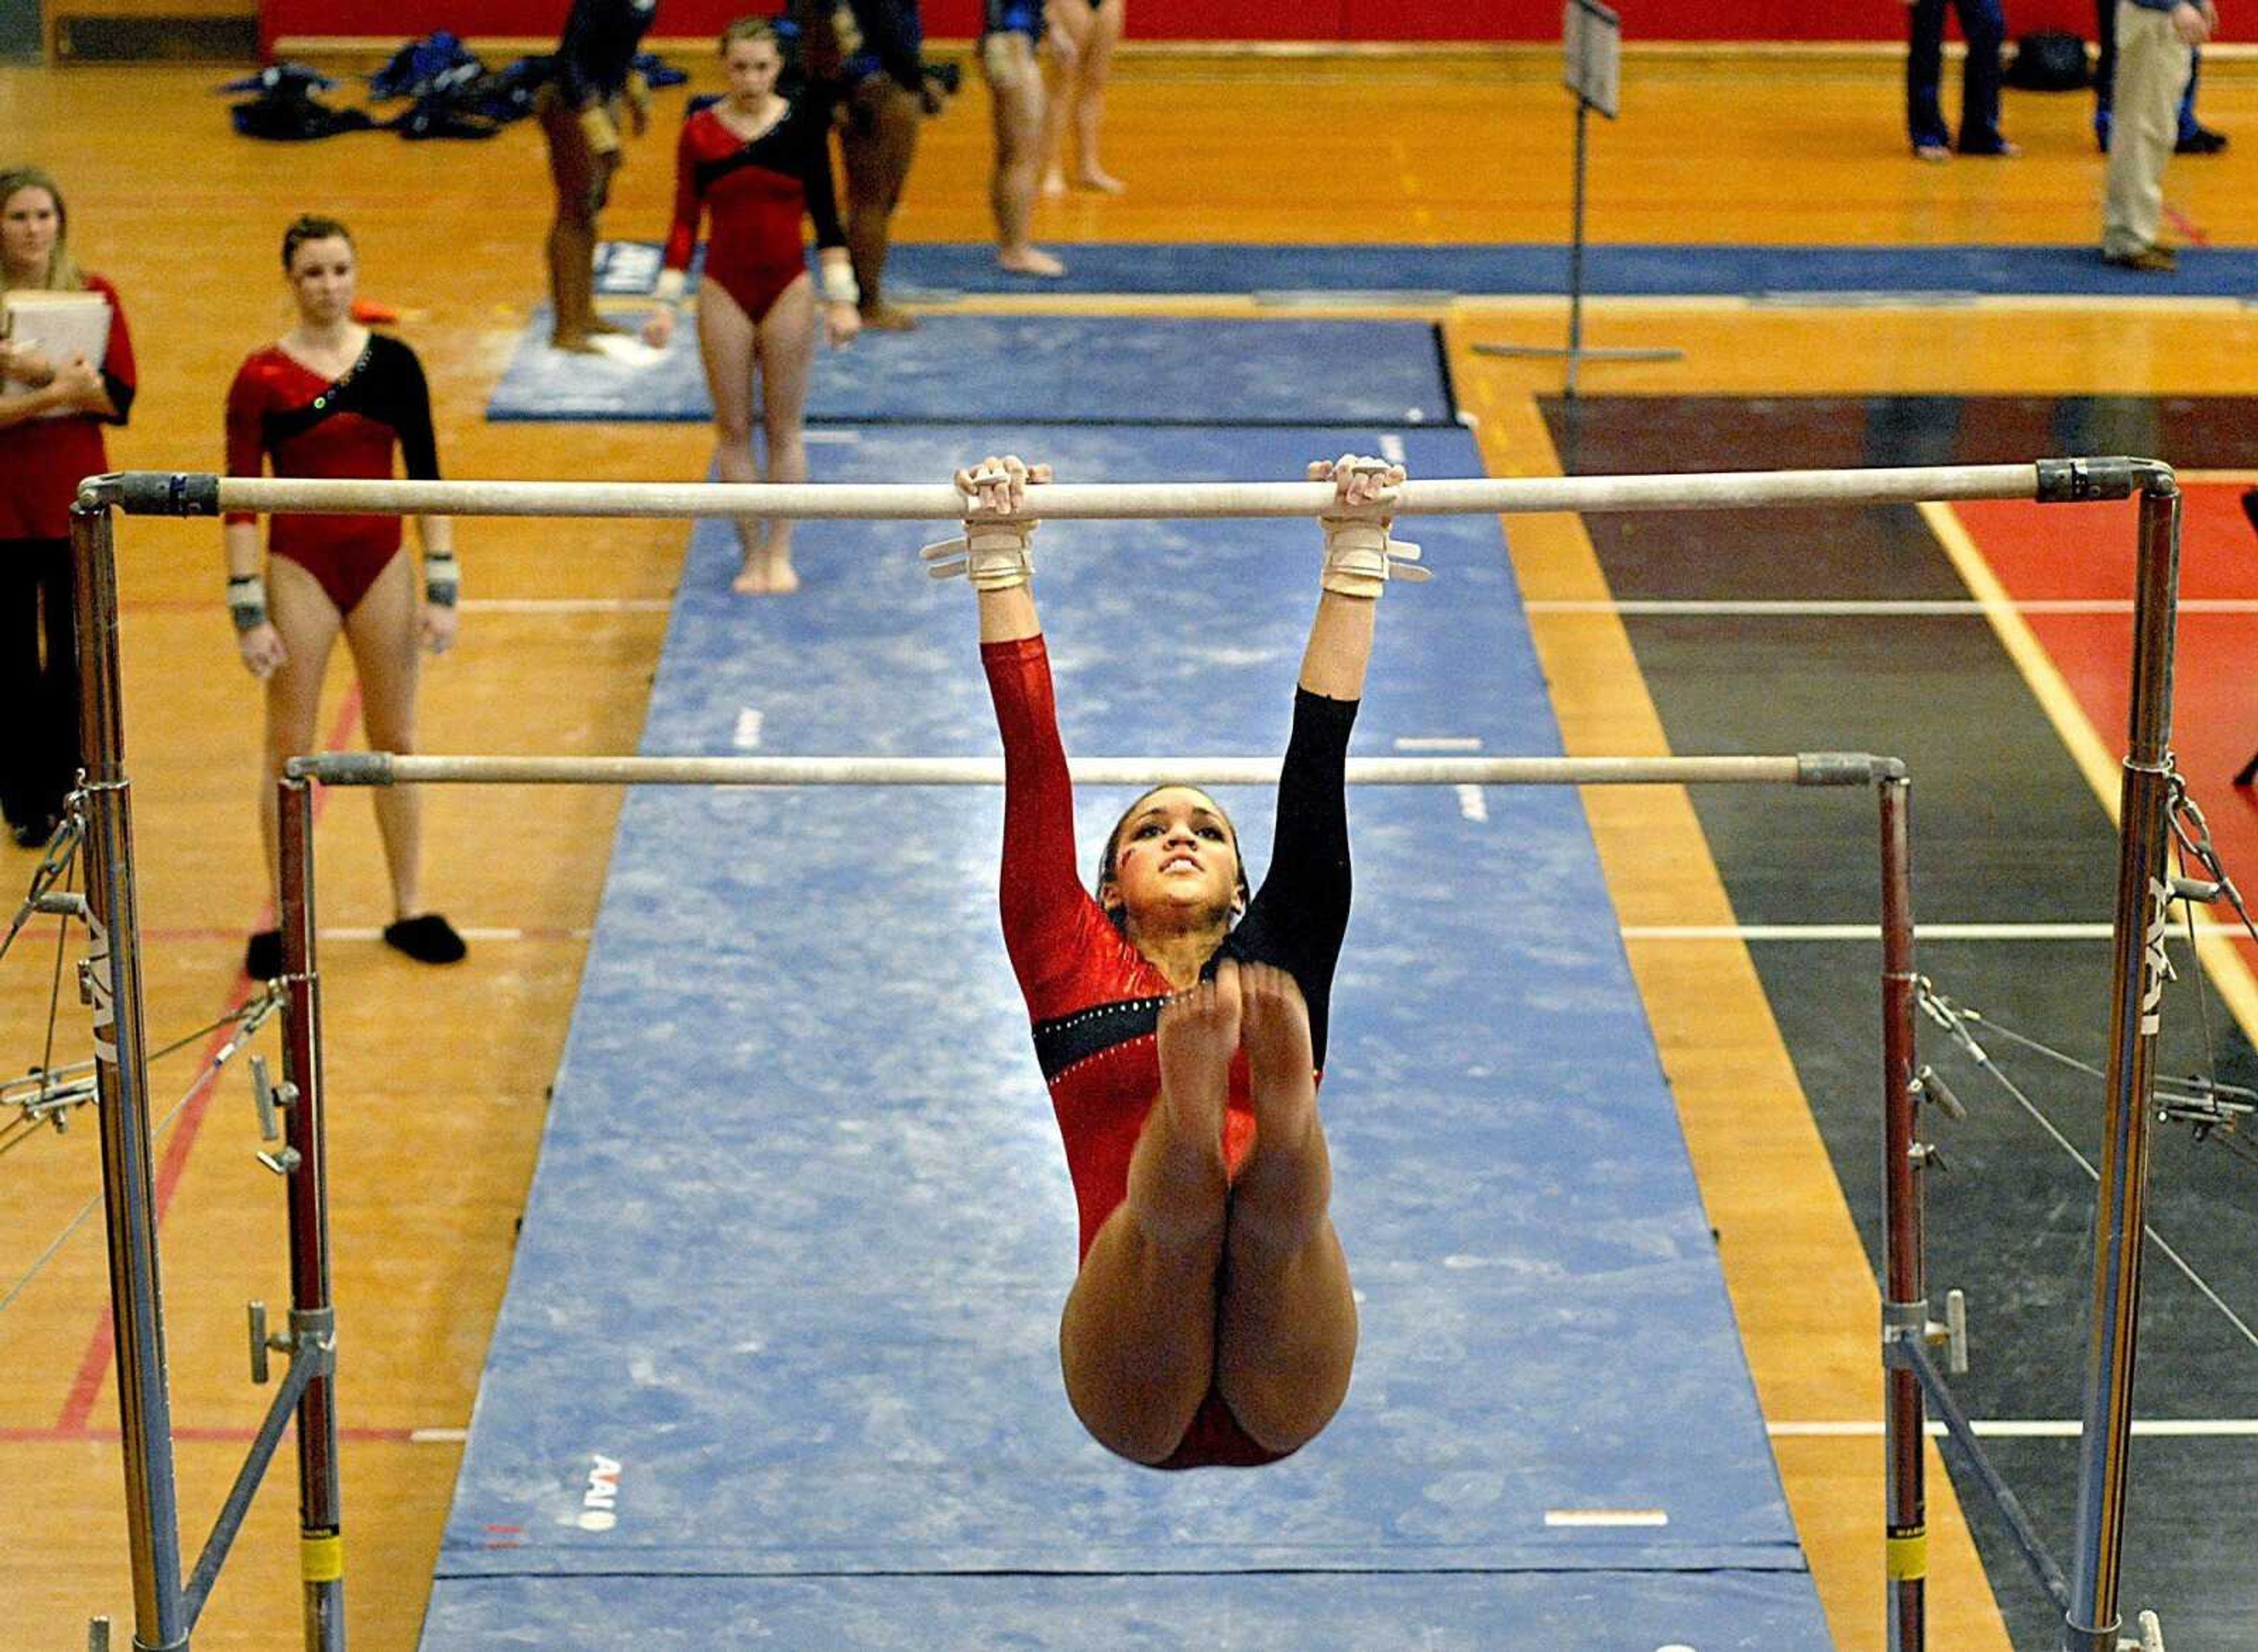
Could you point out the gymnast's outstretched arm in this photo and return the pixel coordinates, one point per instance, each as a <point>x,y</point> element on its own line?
<point>1340,638</point>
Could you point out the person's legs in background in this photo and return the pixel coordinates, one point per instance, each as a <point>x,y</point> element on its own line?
<point>1931,138</point>
<point>1985,27</point>
<point>2153,64</point>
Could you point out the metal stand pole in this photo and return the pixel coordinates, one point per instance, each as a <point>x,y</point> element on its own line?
<point>320,1543</point>
<point>1575,353</point>
<point>113,981</point>
<point>2137,964</point>
<point>1904,1307</point>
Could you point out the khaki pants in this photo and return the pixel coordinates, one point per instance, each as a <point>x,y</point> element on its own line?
<point>2153,66</point>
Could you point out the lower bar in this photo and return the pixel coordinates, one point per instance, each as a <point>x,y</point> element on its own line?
<point>385,769</point>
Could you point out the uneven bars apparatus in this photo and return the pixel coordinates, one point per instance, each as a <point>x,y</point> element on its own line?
<point>164,1615</point>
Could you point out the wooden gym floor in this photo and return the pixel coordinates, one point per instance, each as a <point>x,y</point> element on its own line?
<point>437,1082</point>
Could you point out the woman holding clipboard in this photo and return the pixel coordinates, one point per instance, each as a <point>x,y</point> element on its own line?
<point>65,370</point>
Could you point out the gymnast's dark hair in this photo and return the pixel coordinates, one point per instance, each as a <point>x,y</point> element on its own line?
<point>310,226</point>
<point>1120,917</point>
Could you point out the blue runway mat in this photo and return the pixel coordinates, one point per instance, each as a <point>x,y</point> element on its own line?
<point>780,1341</point>
<point>1026,369</point>
<point>1560,1612</point>
<point>1523,269</point>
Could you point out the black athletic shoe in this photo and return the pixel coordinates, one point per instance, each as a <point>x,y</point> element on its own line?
<point>34,833</point>
<point>2204,141</point>
<point>262,959</point>
<point>428,938</point>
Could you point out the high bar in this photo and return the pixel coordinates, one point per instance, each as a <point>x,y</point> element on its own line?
<point>389,769</point>
<point>189,494</point>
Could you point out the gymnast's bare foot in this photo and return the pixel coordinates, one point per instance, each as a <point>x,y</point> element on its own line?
<point>1280,1069</point>
<point>1098,179</point>
<point>888,318</point>
<point>1027,260</point>
<point>1198,1034</point>
<point>573,344</point>
<point>767,572</point>
<point>1054,184</point>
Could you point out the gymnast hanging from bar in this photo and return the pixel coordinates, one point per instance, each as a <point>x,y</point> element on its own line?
<point>1180,1024</point>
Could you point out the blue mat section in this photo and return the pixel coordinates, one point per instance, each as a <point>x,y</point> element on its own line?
<point>1517,268</point>
<point>1561,1612</point>
<point>1047,369</point>
<point>783,1313</point>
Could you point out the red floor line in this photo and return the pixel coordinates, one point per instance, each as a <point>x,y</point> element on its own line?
<point>94,1365</point>
<point>2188,229</point>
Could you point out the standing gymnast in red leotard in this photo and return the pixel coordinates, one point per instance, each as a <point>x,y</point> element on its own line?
<point>1180,1025</point>
<point>331,398</point>
<point>756,163</point>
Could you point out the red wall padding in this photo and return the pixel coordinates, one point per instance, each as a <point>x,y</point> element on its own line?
<point>1215,20</point>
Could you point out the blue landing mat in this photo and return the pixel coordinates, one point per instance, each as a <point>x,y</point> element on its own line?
<point>779,1351</point>
<point>1561,1612</point>
<point>1510,269</point>
<point>1022,369</point>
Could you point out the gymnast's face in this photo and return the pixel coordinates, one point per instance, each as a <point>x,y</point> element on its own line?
<point>321,276</point>
<point>29,225</point>
<point>753,67</point>
<point>1175,861</point>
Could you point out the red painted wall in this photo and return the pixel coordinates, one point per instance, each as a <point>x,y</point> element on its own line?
<point>1215,20</point>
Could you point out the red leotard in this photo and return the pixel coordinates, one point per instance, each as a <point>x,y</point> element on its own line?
<point>1095,999</point>
<point>757,194</point>
<point>279,408</point>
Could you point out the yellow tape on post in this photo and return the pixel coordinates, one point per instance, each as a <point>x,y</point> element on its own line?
<point>322,1556</point>
<point>1906,1556</point>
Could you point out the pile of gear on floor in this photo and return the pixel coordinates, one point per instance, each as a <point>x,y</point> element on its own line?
<point>450,92</point>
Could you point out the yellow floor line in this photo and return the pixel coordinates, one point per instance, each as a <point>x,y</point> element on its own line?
<point>2103,770</point>
<point>1804,1295</point>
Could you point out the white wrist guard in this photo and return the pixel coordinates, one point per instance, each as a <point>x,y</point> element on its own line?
<point>246,601</point>
<point>669,290</point>
<point>442,579</point>
<point>1360,558</point>
<point>993,556</point>
<point>836,282</point>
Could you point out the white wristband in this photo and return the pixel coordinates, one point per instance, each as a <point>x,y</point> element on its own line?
<point>442,579</point>
<point>669,290</point>
<point>1360,558</point>
<point>992,555</point>
<point>835,280</point>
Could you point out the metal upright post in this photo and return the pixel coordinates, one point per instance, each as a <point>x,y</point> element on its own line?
<point>1904,1309</point>
<point>320,1531</point>
<point>1576,250</point>
<point>2143,904</point>
<point>113,986</point>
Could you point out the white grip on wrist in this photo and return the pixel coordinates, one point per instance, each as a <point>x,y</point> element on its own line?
<point>835,280</point>
<point>669,290</point>
<point>993,556</point>
<point>1360,558</point>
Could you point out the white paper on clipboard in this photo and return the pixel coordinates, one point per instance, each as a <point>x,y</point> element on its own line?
<point>61,325</point>
<point>1591,36</point>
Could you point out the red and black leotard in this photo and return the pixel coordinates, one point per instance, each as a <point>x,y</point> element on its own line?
<point>280,409</point>
<point>1096,1000</point>
<point>757,194</point>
